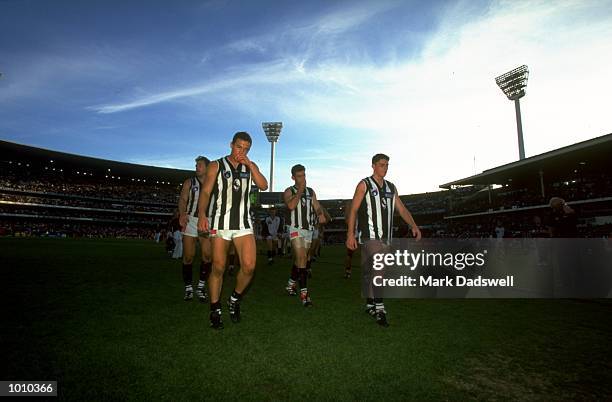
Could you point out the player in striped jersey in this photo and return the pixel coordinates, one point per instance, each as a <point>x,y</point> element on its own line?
<point>303,205</point>
<point>188,220</point>
<point>375,201</point>
<point>226,189</point>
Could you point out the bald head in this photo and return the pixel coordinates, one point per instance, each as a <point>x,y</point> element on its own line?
<point>557,203</point>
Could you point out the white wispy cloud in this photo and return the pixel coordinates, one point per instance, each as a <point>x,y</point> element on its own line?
<point>434,113</point>
<point>287,66</point>
<point>265,73</point>
<point>342,20</point>
<point>437,113</point>
<point>177,161</point>
<point>248,45</point>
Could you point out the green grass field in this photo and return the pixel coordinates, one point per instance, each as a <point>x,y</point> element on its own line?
<point>106,319</point>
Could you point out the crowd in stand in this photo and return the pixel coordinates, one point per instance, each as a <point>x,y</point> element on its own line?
<point>31,228</point>
<point>54,203</point>
<point>508,198</point>
<point>530,225</point>
<point>104,191</point>
<point>121,201</point>
<point>103,188</point>
<point>81,203</point>
<point>79,213</point>
<point>428,203</point>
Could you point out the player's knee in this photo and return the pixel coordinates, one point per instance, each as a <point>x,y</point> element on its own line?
<point>247,270</point>
<point>218,265</point>
<point>248,265</point>
<point>187,259</point>
<point>217,271</point>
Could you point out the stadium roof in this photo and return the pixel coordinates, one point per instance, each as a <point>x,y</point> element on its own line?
<point>591,155</point>
<point>10,150</point>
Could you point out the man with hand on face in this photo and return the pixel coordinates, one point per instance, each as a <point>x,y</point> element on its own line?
<point>226,189</point>
<point>302,205</point>
<point>375,201</point>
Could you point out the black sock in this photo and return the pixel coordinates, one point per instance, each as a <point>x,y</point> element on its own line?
<point>369,300</point>
<point>294,273</point>
<point>269,254</point>
<point>215,306</point>
<point>303,274</point>
<point>235,297</point>
<point>187,274</point>
<point>205,270</point>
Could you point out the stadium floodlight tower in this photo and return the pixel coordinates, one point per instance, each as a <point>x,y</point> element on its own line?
<point>513,84</point>
<point>272,130</point>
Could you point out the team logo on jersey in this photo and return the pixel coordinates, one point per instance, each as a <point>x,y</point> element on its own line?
<point>374,192</point>
<point>383,202</point>
<point>389,195</point>
<point>236,184</point>
<point>244,175</point>
<point>227,174</point>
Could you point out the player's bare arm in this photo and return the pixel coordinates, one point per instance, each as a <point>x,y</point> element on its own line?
<point>351,241</point>
<point>206,190</point>
<point>290,199</point>
<point>407,217</point>
<point>318,209</point>
<point>328,217</point>
<point>182,203</point>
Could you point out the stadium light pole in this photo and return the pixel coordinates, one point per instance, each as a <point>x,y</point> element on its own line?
<point>513,84</point>
<point>272,130</point>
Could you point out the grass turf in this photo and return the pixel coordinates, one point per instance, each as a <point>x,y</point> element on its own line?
<point>106,319</point>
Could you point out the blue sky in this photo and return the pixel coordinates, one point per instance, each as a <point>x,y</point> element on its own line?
<point>161,82</point>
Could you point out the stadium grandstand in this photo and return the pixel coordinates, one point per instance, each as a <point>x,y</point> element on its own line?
<point>517,194</point>
<point>50,193</point>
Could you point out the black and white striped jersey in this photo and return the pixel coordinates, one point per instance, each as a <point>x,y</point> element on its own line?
<point>194,196</point>
<point>315,219</point>
<point>301,216</point>
<point>230,204</point>
<point>375,214</point>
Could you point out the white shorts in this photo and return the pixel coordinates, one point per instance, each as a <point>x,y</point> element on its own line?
<point>297,233</point>
<point>230,234</point>
<point>191,229</point>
